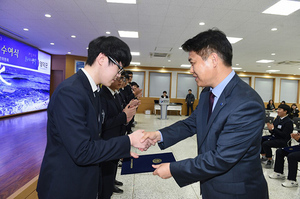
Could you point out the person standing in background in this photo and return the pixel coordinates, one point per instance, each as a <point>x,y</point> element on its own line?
<point>189,100</point>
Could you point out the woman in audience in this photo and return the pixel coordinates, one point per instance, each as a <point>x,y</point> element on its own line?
<point>294,111</point>
<point>270,105</point>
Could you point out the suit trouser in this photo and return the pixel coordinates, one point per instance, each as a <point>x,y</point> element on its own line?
<point>109,171</point>
<point>268,144</point>
<point>293,159</point>
<point>188,108</point>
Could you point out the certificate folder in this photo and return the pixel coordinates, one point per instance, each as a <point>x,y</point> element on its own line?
<point>144,163</point>
<point>292,149</point>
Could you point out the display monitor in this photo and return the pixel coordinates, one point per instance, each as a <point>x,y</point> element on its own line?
<point>24,77</point>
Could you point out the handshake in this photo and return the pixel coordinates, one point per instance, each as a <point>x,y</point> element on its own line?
<point>143,140</point>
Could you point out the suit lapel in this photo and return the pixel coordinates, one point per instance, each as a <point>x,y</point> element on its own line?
<point>222,101</point>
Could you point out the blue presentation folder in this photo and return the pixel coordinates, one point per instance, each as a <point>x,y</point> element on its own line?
<point>292,149</point>
<point>144,163</point>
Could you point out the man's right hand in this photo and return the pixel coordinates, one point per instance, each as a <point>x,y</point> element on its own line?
<point>152,136</point>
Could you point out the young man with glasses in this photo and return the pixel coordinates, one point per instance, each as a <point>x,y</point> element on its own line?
<point>74,151</point>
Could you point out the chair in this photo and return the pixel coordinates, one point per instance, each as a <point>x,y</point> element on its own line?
<point>296,121</point>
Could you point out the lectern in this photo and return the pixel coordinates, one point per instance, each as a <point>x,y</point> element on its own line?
<point>163,102</point>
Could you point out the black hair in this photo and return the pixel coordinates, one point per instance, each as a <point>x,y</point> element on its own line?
<point>285,107</point>
<point>134,84</point>
<point>109,46</point>
<point>165,92</point>
<point>190,90</point>
<point>207,42</point>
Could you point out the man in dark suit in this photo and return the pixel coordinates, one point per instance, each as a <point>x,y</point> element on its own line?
<point>70,167</point>
<point>228,136</point>
<point>114,125</point>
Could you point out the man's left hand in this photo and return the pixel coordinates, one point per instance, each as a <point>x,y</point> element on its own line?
<point>162,170</point>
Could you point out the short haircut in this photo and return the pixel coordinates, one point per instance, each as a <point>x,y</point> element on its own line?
<point>207,42</point>
<point>190,90</point>
<point>129,72</point>
<point>134,84</point>
<point>165,92</point>
<point>109,46</point>
<point>285,108</point>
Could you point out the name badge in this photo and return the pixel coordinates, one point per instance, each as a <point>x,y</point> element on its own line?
<point>279,126</point>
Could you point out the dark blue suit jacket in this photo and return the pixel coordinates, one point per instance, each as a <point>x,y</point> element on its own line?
<point>228,164</point>
<point>70,168</point>
<point>115,118</point>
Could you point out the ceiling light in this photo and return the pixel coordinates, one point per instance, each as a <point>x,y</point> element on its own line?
<point>264,61</point>
<point>52,44</point>
<point>69,52</point>
<point>107,32</point>
<point>283,7</point>
<point>273,54</point>
<point>135,53</point>
<point>201,23</point>
<point>269,66</point>
<point>236,68</point>
<point>47,15</point>
<point>128,34</point>
<point>185,65</point>
<point>87,48</point>
<point>135,63</point>
<point>122,1</point>
<point>73,36</point>
<point>237,64</point>
<point>26,29</point>
<point>273,29</point>
<point>272,71</point>
<point>180,48</point>
<point>169,60</point>
<point>234,40</point>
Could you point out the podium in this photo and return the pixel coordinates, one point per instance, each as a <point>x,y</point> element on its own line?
<point>164,102</point>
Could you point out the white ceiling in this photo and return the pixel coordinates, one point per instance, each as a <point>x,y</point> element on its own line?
<point>163,26</point>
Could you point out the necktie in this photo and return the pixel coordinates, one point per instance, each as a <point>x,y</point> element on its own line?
<point>119,100</point>
<point>211,102</point>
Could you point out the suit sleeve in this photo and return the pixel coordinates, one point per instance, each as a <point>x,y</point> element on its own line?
<point>178,131</point>
<point>74,116</point>
<point>240,131</point>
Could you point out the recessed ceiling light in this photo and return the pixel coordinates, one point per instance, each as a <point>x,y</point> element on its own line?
<point>122,1</point>
<point>273,29</point>
<point>180,48</point>
<point>272,71</point>
<point>52,44</point>
<point>237,64</point>
<point>73,36</point>
<point>264,61</point>
<point>47,15</point>
<point>128,34</point>
<point>273,54</point>
<point>185,65</point>
<point>234,40</point>
<point>87,48</point>
<point>135,63</point>
<point>283,7</point>
<point>269,66</point>
<point>135,53</point>
<point>201,23</point>
<point>236,68</point>
<point>69,52</point>
<point>108,33</point>
<point>26,29</point>
<point>169,60</point>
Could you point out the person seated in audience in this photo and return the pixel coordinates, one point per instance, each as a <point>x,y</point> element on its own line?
<point>270,105</point>
<point>294,111</point>
<point>280,131</point>
<point>293,157</point>
<point>164,95</point>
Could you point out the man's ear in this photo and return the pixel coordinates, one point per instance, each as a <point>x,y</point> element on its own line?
<point>100,59</point>
<point>215,59</point>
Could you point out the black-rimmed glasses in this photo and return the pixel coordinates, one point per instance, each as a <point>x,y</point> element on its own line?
<point>121,69</point>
